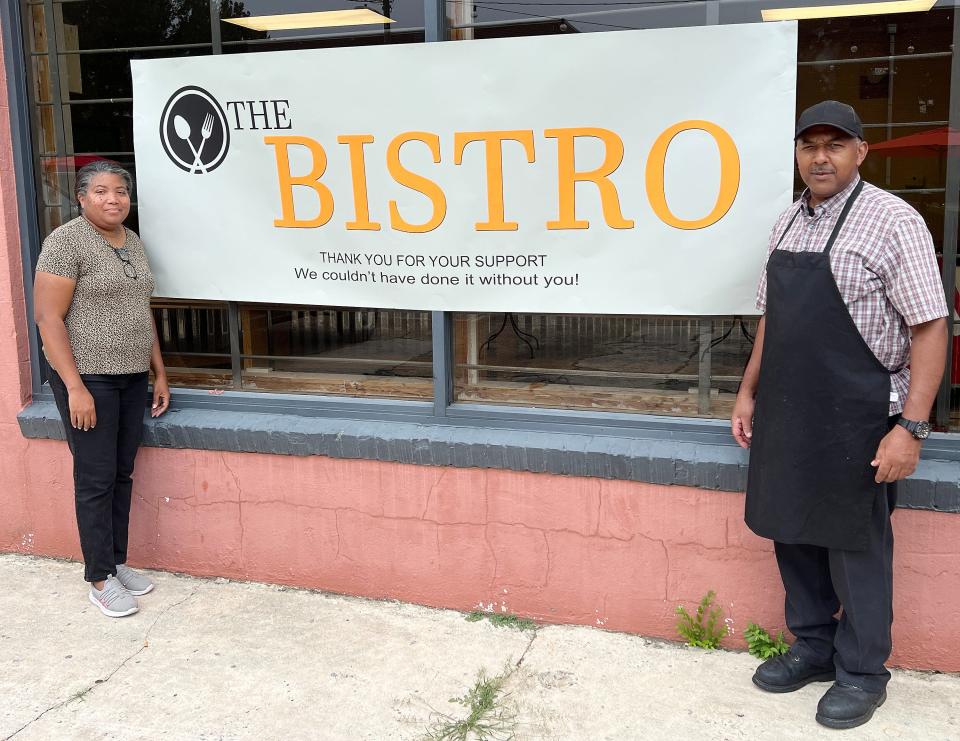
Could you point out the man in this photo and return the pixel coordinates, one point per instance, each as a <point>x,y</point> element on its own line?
<point>834,406</point>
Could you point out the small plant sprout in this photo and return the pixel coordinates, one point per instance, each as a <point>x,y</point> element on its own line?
<point>704,629</point>
<point>761,645</point>
<point>501,620</point>
<point>491,715</point>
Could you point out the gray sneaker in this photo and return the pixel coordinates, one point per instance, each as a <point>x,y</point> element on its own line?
<point>113,600</point>
<point>136,584</point>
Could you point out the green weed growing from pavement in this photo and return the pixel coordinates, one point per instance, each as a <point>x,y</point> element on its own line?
<point>501,620</point>
<point>761,645</point>
<point>705,629</point>
<point>490,717</point>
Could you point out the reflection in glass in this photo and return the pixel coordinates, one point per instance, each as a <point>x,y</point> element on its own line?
<point>105,24</point>
<point>329,350</point>
<point>407,28</point>
<point>195,341</point>
<point>615,363</point>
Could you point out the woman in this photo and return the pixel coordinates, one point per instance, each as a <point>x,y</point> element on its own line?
<point>92,306</point>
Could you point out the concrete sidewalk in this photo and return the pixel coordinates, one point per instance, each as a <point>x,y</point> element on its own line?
<point>212,659</point>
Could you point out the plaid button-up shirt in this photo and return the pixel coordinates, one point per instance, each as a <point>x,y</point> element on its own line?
<point>885,267</point>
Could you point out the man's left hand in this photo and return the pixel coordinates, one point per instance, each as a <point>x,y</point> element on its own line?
<point>897,455</point>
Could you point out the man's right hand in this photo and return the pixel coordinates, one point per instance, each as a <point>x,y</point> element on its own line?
<point>741,422</point>
<point>83,412</point>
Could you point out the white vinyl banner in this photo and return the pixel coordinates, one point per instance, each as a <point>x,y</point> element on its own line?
<point>636,172</point>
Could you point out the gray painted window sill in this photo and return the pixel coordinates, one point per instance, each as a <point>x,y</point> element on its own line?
<point>696,453</point>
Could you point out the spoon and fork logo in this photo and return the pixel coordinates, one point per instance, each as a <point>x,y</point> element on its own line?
<point>193,131</point>
<point>182,127</point>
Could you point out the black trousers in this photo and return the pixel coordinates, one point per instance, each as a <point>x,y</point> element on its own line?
<point>103,465</point>
<point>820,581</point>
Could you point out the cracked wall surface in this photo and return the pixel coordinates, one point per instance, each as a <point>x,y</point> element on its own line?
<point>567,549</point>
<point>613,554</point>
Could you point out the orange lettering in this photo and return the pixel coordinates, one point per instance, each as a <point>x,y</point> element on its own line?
<point>416,182</point>
<point>568,177</point>
<point>729,175</point>
<point>310,180</point>
<point>358,172</point>
<point>494,152</point>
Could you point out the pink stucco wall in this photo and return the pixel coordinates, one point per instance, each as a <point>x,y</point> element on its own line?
<point>619,555</point>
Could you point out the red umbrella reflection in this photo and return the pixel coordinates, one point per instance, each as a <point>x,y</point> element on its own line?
<point>933,143</point>
<point>72,163</point>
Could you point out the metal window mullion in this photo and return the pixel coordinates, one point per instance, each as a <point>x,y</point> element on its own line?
<point>951,229</point>
<point>435,29</point>
<point>713,12</point>
<point>128,49</point>
<point>18,99</point>
<point>434,20</point>
<point>705,325</point>
<point>58,125</point>
<point>236,367</point>
<point>215,38</point>
<point>705,365</point>
<point>442,332</point>
<point>91,101</point>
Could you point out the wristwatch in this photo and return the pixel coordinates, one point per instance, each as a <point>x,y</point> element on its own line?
<point>920,430</point>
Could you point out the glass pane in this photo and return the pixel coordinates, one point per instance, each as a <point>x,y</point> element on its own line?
<point>331,350</point>
<point>539,18</point>
<point>50,219</point>
<point>407,27</point>
<point>57,178</point>
<point>195,341</point>
<point>107,75</point>
<point>613,363</point>
<point>954,424</point>
<point>99,127</point>
<point>875,35</point>
<point>105,24</point>
<point>895,70</point>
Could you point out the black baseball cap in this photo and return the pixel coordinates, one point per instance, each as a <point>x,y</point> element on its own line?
<point>830,113</point>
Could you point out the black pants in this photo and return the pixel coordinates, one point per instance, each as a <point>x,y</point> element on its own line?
<point>103,465</point>
<point>819,581</point>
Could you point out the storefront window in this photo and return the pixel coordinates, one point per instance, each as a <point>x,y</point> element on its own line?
<point>895,69</point>
<point>80,56</point>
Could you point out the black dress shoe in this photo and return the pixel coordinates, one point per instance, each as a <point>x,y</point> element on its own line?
<point>789,672</point>
<point>846,706</point>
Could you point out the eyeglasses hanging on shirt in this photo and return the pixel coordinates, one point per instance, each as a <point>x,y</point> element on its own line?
<point>123,254</point>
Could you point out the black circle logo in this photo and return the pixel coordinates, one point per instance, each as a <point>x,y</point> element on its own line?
<point>193,130</point>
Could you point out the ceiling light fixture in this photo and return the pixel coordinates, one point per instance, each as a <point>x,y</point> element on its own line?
<point>320,19</point>
<point>842,11</point>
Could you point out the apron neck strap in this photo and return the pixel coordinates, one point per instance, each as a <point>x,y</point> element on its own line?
<point>789,224</point>
<point>843,217</point>
<point>836,229</point>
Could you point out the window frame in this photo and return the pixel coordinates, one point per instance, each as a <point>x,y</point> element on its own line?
<point>443,409</point>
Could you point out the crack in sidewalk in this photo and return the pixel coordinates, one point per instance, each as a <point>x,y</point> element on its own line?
<point>525,651</point>
<point>100,682</point>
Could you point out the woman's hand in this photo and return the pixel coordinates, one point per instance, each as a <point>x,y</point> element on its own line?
<point>83,412</point>
<point>161,396</point>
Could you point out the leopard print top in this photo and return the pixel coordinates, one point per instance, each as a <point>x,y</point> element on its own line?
<point>109,322</point>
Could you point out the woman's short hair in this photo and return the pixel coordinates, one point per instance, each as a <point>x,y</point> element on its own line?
<point>98,167</point>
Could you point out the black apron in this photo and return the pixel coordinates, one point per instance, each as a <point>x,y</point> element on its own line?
<point>822,407</point>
